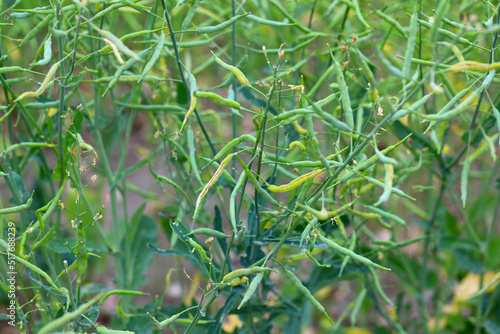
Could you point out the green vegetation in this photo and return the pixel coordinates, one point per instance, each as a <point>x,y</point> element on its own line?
<point>257,166</point>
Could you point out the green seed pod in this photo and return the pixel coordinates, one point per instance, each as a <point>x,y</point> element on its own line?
<point>410,45</point>
<point>244,272</point>
<point>387,215</point>
<point>218,99</point>
<point>305,292</point>
<point>241,234</point>
<point>199,249</point>
<point>121,292</point>
<point>154,58</point>
<point>257,185</point>
<point>47,53</point>
<point>222,26</point>
<point>238,74</point>
<point>36,30</point>
<point>252,288</point>
<point>351,248</point>
<point>389,20</point>
<point>232,144</point>
<point>328,117</point>
<point>209,232</point>
<point>128,64</point>
<point>232,206</point>
<point>414,107</point>
<point>344,93</point>
<point>291,113</point>
<point>11,69</point>
<point>164,323</point>
<point>18,208</point>
<point>446,33</point>
<point>269,22</point>
<point>378,287</point>
<point>389,173</point>
<point>349,252</point>
<point>320,215</point>
<point>447,107</point>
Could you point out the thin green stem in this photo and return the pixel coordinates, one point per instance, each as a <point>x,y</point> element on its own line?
<point>183,78</point>
<point>234,84</point>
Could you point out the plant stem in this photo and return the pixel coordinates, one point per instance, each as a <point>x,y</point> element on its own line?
<point>183,78</point>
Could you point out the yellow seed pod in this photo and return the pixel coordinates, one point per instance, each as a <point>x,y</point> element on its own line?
<point>115,51</point>
<point>295,183</point>
<point>212,181</point>
<point>298,128</point>
<point>296,144</point>
<point>367,215</point>
<point>192,106</point>
<point>240,76</point>
<point>45,83</point>
<point>239,281</point>
<point>474,65</point>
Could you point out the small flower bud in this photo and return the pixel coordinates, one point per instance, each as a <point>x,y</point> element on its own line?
<point>281,52</point>
<point>209,241</point>
<point>344,47</point>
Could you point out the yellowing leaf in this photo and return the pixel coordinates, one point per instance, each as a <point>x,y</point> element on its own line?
<point>391,311</point>
<point>324,293</point>
<point>52,112</point>
<point>433,326</point>
<point>470,285</point>
<point>231,323</point>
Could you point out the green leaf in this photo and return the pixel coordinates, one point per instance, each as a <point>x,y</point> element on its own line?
<point>135,258</point>
<point>89,317</point>
<point>468,260</point>
<point>19,191</point>
<point>492,326</point>
<point>59,296</point>
<point>74,80</point>
<point>168,252</point>
<point>60,245</point>
<point>222,241</point>
<point>487,125</point>
<point>182,95</point>
<point>420,142</point>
